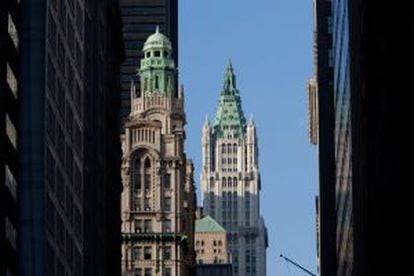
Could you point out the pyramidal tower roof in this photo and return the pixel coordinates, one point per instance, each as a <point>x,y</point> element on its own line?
<point>229,117</point>
<point>208,224</point>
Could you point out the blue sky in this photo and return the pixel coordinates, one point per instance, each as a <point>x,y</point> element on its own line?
<point>270,45</point>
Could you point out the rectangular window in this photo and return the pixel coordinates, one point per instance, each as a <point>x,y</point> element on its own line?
<point>11,81</point>
<point>168,271</point>
<point>138,226</point>
<point>148,272</point>
<point>11,183</point>
<point>147,253</point>
<point>13,32</point>
<point>168,181</point>
<point>138,272</point>
<point>167,253</point>
<point>167,225</point>
<point>167,204</point>
<point>147,225</point>
<point>147,205</point>
<point>11,235</point>
<point>136,253</point>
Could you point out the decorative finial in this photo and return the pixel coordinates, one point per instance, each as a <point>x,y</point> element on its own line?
<point>229,65</point>
<point>157,29</point>
<point>251,121</point>
<point>207,121</point>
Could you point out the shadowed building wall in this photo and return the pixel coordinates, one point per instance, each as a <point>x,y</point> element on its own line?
<point>69,149</point>
<point>10,33</point>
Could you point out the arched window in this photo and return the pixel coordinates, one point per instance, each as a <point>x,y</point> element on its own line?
<point>229,182</point>
<point>229,148</point>
<point>223,182</point>
<point>235,182</point>
<point>223,148</point>
<point>147,174</point>
<point>137,175</point>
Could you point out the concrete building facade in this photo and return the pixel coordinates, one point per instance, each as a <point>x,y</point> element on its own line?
<point>158,198</point>
<point>230,180</point>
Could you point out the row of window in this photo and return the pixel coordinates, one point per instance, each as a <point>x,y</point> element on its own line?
<point>215,243</point>
<point>229,148</point>
<point>216,260</point>
<point>146,253</point>
<point>140,205</point>
<point>148,272</point>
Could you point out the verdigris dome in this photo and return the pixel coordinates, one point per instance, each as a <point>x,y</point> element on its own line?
<point>157,40</point>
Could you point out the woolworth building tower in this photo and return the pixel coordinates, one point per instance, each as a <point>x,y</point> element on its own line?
<point>230,181</point>
<point>158,198</point>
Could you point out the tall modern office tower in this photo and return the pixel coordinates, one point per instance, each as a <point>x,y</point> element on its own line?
<point>139,19</point>
<point>69,152</point>
<point>158,198</point>
<point>230,180</point>
<point>361,131</point>
<point>10,33</point>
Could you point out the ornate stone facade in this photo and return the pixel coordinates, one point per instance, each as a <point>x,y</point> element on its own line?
<point>158,198</point>
<point>230,181</point>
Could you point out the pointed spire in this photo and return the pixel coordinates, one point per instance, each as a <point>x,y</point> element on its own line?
<point>229,117</point>
<point>157,29</point>
<point>251,121</point>
<point>229,87</point>
<point>207,121</point>
<point>229,65</point>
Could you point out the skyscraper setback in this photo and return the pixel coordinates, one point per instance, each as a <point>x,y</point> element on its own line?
<point>139,18</point>
<point>230,180</point>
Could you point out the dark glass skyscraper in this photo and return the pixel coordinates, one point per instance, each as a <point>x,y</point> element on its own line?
<point>361,134</point>
<point>69,153</point>
<point>10,20</point>
<point>140,18</point>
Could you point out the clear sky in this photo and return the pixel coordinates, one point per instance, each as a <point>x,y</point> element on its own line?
<point>270,45</point>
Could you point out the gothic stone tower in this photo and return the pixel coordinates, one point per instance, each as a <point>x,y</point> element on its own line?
<point>158,198</point>
<point>230,181</point>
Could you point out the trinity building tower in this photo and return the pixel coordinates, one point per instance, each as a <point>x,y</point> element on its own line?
<point>230,181</point>
<point>158,199</point>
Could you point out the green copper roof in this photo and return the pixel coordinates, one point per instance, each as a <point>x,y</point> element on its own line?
<point>157,40</point>
<point>157,69</point>
<point>229,117</point>
<point>208,224</point>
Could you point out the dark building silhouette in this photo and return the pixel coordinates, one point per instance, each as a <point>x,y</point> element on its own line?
<point>68,148</point>
<point>214,269</point>
<point>360,134</point>
<point>139,19</point>
<point>10,20</point>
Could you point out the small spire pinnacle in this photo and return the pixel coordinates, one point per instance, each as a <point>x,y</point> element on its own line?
<point>157,29</point>
<point>207,121</point>
<point>251,121</point>
<point>229,87</point>
<point>229,65</point>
